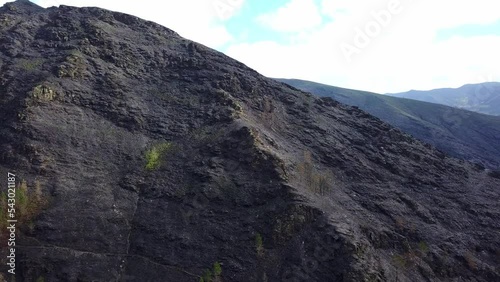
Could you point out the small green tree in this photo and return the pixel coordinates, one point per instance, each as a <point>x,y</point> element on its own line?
<point>28,204</point>
<point>259,246</point>
<point>217,269</point>
<point>207,276</point>
<point>217,272</point>
<point>155,154</point>
<point>212,275</point>
<point>22,197</point>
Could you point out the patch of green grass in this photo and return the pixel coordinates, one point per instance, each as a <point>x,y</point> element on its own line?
<point>217,269</point>
<point>28,205</point>
<point>22,197</point>
<point>259,246</point>
<point>213,275</point>
<point>74,65</point>
<point>423,247</point>
<point>207,276</point>
<point>30,64</point>
<point>401,261</point>
<point>411,255</point>
<point>155,155</point>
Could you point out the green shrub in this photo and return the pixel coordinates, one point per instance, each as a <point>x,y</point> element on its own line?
<point>155,155</point>
<point>28,204</point>
<point>410,257</point>
<point>207,276</point>
<point>22,198</point>
<point>423,247</point>
<point>400,261</point>
<point>259,247</point>
<point>217,271</point>
<point>30,64</point>
<point>212,275</point>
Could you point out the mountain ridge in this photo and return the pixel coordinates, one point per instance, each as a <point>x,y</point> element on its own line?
<point>161,158</point>
<point>464,134</point>
<point>482,97</point>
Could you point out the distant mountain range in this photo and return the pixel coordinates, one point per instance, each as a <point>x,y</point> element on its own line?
<point>460,133</point>
<point>482,98</point>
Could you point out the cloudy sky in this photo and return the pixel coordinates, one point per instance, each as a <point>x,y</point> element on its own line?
<point>377,45</point>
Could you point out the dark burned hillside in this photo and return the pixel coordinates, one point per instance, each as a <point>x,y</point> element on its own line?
<point>457,132</point>
<point>147,157</point>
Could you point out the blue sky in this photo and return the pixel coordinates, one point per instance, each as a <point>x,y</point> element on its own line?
<point>378,45</point>
<point>470,30</point>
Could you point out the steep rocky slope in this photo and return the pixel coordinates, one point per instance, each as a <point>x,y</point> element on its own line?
<point>156,158</point>
<point>459,133</point>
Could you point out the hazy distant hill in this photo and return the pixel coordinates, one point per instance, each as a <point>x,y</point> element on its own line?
<point>460,133</point>
<point>482,98</point>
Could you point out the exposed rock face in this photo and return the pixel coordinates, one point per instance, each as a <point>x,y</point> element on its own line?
<point>159,157</point>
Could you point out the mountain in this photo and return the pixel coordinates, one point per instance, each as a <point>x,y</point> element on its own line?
<point>482,98</point>
<point>462,134</point>
<point>138,155</point>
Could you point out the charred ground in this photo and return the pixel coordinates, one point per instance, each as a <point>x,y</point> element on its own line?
<point>159,157</point>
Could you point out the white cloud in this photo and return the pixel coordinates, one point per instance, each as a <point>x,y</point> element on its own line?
<point>443,13</point>
<point>405,54</point>
<point>294,16</point>
<point>2,2</point>
<point>226,9</point>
